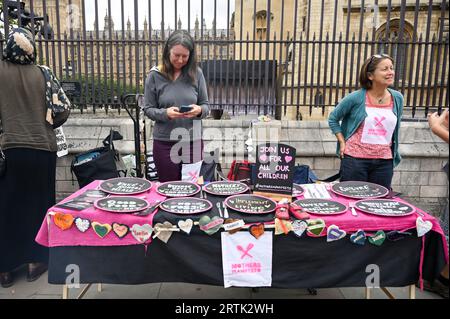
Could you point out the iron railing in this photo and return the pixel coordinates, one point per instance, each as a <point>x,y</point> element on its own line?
<point>289,58</point>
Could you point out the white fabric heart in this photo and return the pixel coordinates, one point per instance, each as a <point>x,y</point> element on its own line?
<point>422,226</point>
<point>186,225</point>
<point>82,224</point>
<point>142,233</point>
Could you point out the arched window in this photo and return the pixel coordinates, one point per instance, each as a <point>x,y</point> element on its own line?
<point>396,41</point>
<point>261,23</point>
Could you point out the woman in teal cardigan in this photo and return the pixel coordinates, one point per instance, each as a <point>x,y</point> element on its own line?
<point>367,123</point>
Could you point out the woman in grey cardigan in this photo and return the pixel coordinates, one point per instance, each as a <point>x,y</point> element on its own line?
<point>367,123</point>
<point>176,98</point>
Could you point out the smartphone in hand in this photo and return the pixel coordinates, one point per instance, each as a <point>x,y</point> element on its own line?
<point>185,108</point>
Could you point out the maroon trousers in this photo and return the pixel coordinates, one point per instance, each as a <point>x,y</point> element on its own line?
<point>169,157</point>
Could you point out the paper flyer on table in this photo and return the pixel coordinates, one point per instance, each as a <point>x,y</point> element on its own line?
<point>316,191</point>
<point>247,261</point>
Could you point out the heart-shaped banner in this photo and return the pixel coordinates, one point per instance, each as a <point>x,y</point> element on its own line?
<point>282,226</point>
<point>378,239</point>
<point>63,221</point>
<point>316,227</point>
<point>163,231</point>
<point>358,238</point>
<point>210,225</point>
<point>397,235</point>
<point>186,225</point>
<point>299,227</point>
<point>334,233</point>
<point>82,224</point>
<point>120,230</point>
<point>101,229</point>
<point>142,233</point>
<point>257,230</point>
<point>422,226</point>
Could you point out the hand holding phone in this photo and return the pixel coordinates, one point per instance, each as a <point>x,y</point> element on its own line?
<point>185,108</point>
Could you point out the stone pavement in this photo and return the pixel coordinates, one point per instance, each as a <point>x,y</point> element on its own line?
<point>40,289</point>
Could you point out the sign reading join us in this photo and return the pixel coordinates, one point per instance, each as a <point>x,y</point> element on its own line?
<point>275,164</point>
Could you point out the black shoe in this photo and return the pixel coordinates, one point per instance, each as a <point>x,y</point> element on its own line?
<point>35,270</point>
<point>6,279</point>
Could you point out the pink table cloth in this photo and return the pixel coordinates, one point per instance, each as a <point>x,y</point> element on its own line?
<point>51,235</point>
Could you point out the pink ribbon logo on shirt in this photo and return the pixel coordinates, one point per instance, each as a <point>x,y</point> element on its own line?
<point>245,251</point>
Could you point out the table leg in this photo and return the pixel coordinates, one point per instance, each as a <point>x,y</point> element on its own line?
<point>388,293</point>
<point>412,292</point>
<point>65,293</point>
<point>84,291</point>
<point>368,292</point>
<point>99,288</point>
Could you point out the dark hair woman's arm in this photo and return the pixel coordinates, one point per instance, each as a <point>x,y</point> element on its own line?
<point>151,106</point>
<point>203,95</point>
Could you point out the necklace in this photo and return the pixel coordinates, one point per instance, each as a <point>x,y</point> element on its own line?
<point>380,100</point>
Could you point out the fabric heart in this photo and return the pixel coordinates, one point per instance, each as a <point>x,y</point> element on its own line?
<point>120,230</point>
<point>422,226</point>
<point>358,238</point>
<point>82,224</point>
<point>378,239</point>
<point>316,227</point>
<point>63,221</point>
<point>186,225</point>
<point>397,235</point>
<point>101,229</point>
<point>282,226</point>
<point>299,227</point>
<point>263,158</point>
<point>288,159</point>
<point>257,230</point>
<point>142,233</point>
<point>334,233</point>
<point>210,225</point>
<point>162,231</point>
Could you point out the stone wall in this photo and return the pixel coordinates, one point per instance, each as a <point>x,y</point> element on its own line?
<point>418,177</point>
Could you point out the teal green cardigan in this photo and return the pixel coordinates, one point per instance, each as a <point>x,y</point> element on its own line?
<point>352,112</point>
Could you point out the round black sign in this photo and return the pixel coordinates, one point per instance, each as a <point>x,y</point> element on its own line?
<point>225,188</point>
<point>359,190</point>
<point>319,206</point>
<point>297,190</point>
<point>384,207</point>
<point>121,204</point>
<point>186,206</point>
<point>125,185</point>
<point>251,204</point>
<point>178,189</point>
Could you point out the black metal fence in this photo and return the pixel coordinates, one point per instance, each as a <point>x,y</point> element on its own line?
<point>288,58</point>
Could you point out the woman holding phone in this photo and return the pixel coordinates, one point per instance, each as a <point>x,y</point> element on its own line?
<point>176,98</point>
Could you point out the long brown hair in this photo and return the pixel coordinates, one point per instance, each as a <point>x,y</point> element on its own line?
<point>180,37</point>
<point>369,67</point>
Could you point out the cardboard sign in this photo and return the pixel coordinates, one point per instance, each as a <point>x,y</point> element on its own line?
<point>359,190</point>
<point>384,207</point>
<point>121,204</point>
<point>178,189</point>
<point>225,188</point>
<point>251,204</point>
<point>186,206</point>
<point>125,185</point>
<point>61,143</point>
<point>275,165</point>
<point>319,206</point>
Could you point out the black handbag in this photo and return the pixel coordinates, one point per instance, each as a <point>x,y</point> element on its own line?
<point>96,164</point>
<point>2,163</point>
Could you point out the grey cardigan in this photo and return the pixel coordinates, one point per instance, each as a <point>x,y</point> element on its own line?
<point>162,93</point>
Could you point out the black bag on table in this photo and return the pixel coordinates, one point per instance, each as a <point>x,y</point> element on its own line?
<point>98,163</point>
